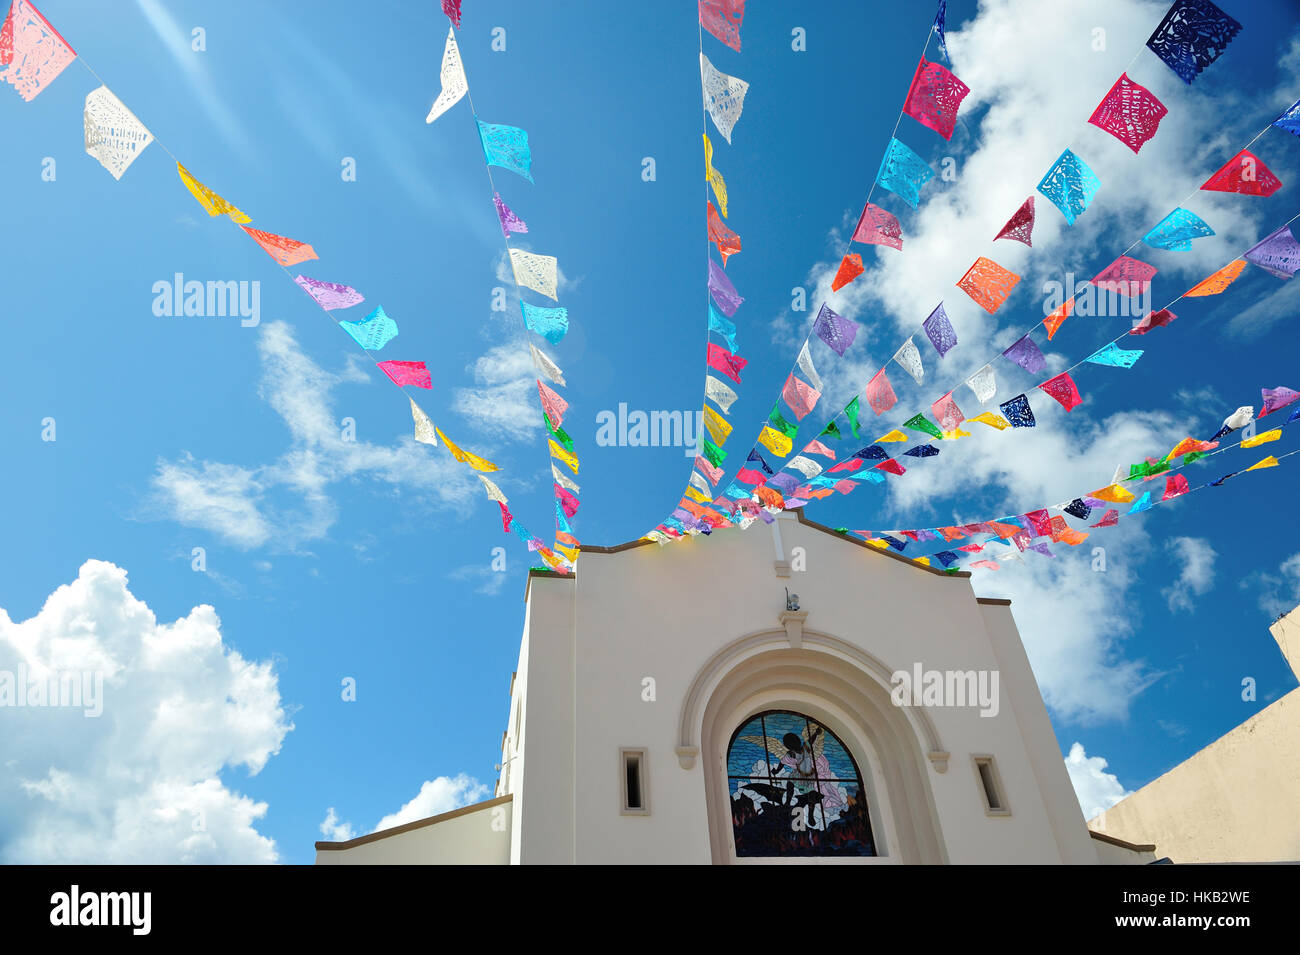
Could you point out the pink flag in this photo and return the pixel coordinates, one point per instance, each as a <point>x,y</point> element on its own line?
<point>880,393</point>
<point>568,502</point>
<point>553,405</point>
<point>724,361</point>
<point>1041,523</point>
<point>892,466</point>
<point>407,373</point>
<point>1020,226</point>
<point>1275,398</point>
<point>799,396</point>
<point>878,226</point>
<point>947,413</point>
<point>708,470</point>
<point>1127,276</point>
<point>32,53</point>
<point>1130,112</point>
<point>509,221</point>
<point>285,251</point>
<point>1109,520</point>
<point>1175,484</point>
<point>1063,389</point>
<point>816,447</point>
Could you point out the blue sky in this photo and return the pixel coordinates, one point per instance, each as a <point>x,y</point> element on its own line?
<point>373,560</point>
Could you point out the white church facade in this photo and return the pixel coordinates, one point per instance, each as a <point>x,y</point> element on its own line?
<point>740,698</point>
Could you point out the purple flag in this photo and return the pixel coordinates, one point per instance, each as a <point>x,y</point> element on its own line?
<point>785,483</point>
<point>1275,398</point>
<point>509,221</point>
<point>328,295</point>
<point>1278,254</point>
<point>939,330</point>
<point>723,292</point>
<point>835,330</point>
<point>1026,354</point>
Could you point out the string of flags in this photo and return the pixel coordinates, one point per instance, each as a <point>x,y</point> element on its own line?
<point>33,54</point>
<point>1010,536</point>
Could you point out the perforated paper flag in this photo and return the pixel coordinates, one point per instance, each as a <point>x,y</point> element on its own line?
<point>509,221</point>
<point>800,396</point>
<point>1264,437</point>
<point>719,428</point>
<point>1176,231</point>
<point>988,284</point>
<point>1070,185</point>
<point>723,326</point>
<point>992,420</point>
<point>878,226</point>
<point>723,292</point>
<point>372,332</point>
<point>880,394</point>
<point>805,363</point>
<point>718,392</point>
<point>1277,253</point>
<point>564,481</point>
<point>1025,353</point>
<point>567,457</point>
<point>947,413</point>
<point>551,323</point>
<point>850,268</point>
<point>452,9</point>
<point>1290,119</point>
<point>552,404</point>
<point>835,330</point>
<point>1153,320</point>
<point>1115,356</point>
<point>32,53</point>
<point>1063,389</point>
<point>212,203</point>
<point>547,367</point>
<point>983,384</point>
<point>1220,280</point>
<point>724,96</point>
<point>507,147</point>
<point>1244,173</point>
<point>452,77</point>
<point>407,373</point>
<point>903,173</point>
<point>1018,413</point>
<point>805,466</point>
<point>1191,36</point>
<point>113,135</point>
<point>1130,112</point>
<point>329,295</point>
<point>714,178</point>
<point>909,359</point>
<point>727,241</point>
<point>537,272</point>
<point>285,251</point>
<point>939,330</point>
<point>1020,227</point>
<point>424,431</point>
<point>934,97</point>
<point>724,361</point>
<point>775,441</point>
<point>920,422</point>
<point>1275,398</point>
<point>723,18</point>
<point>1126,275</point>
<point>1055,320</point>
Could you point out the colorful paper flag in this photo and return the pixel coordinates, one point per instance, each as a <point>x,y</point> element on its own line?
<point>878,226</point>
<point>285,251</point>
<point>835,330</point>
<point>1176,231</point>
<point>850,268</point>
<point>113,134</point>
<point>1191,36</point>
<point>212,203</point>
<point>1130,112</point>
<point>32,53</point>
<point>537,272</point>
<point>724,96</point>
<point>727,241</point>
<point>452,77</point>
<point>1070,185</point>
<point>1020,227</point>
<point>934,97</point>
<point>372,332</point>
<point>988,284</point>
<point>939,330</point>
<point>551,323</point>
<point>903,173</point>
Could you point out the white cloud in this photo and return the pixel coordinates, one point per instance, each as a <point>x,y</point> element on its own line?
<point>505,403</point>
<point>1096,789</point>
<point>436,796</point>
<point>334,829</point>
<point>1197,576</point>
<point>490,581</point>
<point>287,502</point>
<point>1024,109</point>
<point>141,783</point>
<point>1277,593</point>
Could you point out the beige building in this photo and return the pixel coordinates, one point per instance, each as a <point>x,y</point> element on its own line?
<point>1238,799</point>
<point>778,694</point>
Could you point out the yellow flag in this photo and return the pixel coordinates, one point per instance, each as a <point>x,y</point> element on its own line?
<point>923,560</point>
<point>1114,493</point>
<point>208,199</point>
<point>714,177</point>
<point>695,495</point>
<point>1268,462</point>
<point>1264,438</point>
<point>894,435</point>
<point>956,433</point>
<point>473,460</point>
<point>992,420</point>
<point>569,552</point>
<point>568,458</point>
<point>775,441</point>
<point>719,428</point>
<point>878,543</point>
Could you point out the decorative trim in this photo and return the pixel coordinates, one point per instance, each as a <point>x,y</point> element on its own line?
<point>939,760</point>
<point>686,756</point>
<point>418,824</point>
<point>793,621</point>
<point>1111,840</point>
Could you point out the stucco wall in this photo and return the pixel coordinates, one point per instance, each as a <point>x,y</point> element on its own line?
<point>477,835</point>
<point>661,614</point>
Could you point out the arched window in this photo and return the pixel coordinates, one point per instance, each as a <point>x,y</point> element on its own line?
<point>795,790</point>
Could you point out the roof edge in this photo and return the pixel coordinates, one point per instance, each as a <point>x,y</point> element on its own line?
<point>1111,840</point>
<point>407,827</point>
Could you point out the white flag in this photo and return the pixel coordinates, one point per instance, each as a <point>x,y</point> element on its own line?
<point>909,359</point>
<point>537,272</point>
<point>724,96</point>
<point>454,84</point>
<point>113,135</point>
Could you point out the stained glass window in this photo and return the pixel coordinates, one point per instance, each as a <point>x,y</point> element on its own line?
<point>795,790</point>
